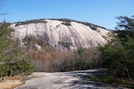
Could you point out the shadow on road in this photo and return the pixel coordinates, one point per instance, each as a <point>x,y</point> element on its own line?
<point>84,81</point>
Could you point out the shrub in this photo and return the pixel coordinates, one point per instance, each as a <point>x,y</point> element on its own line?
<point>68,61</point>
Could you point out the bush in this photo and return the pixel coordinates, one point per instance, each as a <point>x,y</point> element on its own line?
<point>68,61</point>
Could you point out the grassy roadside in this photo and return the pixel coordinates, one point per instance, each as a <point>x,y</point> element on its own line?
<point>112,80</point>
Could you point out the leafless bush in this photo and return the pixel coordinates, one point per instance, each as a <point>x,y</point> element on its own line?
<point>69,61</point>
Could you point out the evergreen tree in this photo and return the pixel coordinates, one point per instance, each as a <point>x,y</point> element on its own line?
<point>13,60</point>
<point>126,23</point>
<point>118,53</point>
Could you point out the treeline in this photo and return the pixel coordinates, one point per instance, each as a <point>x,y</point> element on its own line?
<point>65,22</point>
<point>30,21</point>
<point>92,26</point>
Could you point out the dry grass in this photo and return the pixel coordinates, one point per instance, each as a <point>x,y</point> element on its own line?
<point>13,86</point>
<point>11,82</point>
<point>14,78</point>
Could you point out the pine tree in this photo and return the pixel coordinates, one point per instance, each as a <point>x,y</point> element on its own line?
<point>118,53</point>
<point>13,60</point>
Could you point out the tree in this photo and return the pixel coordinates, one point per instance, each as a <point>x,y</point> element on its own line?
<point>126,23</point>
<point>125,27</point>
<point>117,54</point>
<point>13,59</point>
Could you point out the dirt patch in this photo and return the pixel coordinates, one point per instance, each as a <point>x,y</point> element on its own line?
<point>11,82</point>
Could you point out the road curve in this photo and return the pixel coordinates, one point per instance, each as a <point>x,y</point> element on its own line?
<point>66,80</point>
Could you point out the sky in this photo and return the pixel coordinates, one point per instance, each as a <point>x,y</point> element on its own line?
<point>100,12</point>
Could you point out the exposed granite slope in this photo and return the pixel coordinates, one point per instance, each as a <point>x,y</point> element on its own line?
<point>61,35</point>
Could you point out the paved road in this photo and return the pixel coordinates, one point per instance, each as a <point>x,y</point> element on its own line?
<point>66,80</point>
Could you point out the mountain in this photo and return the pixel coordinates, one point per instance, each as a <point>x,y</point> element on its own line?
<point>61,33</point>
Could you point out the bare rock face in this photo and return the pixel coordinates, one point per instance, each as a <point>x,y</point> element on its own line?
<point>62,35</point>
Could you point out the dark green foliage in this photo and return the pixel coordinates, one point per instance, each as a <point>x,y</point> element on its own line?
<point>65,44</point>
<point>3,70</point>
<point>92,26</point>
<point>118,53</point>
<point>126,23</point>
<point>13,59</point>
<point>23,67</point>
<point>80,50</point>
<point>107,79</point>
<point>123,34</point>
<point>31,21</point>
<point>125,27</point>
<point>118,57</point>
<point>67,23</point>
<point>114,80</point>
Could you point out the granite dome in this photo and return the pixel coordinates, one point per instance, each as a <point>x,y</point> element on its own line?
<point>62,34</point>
